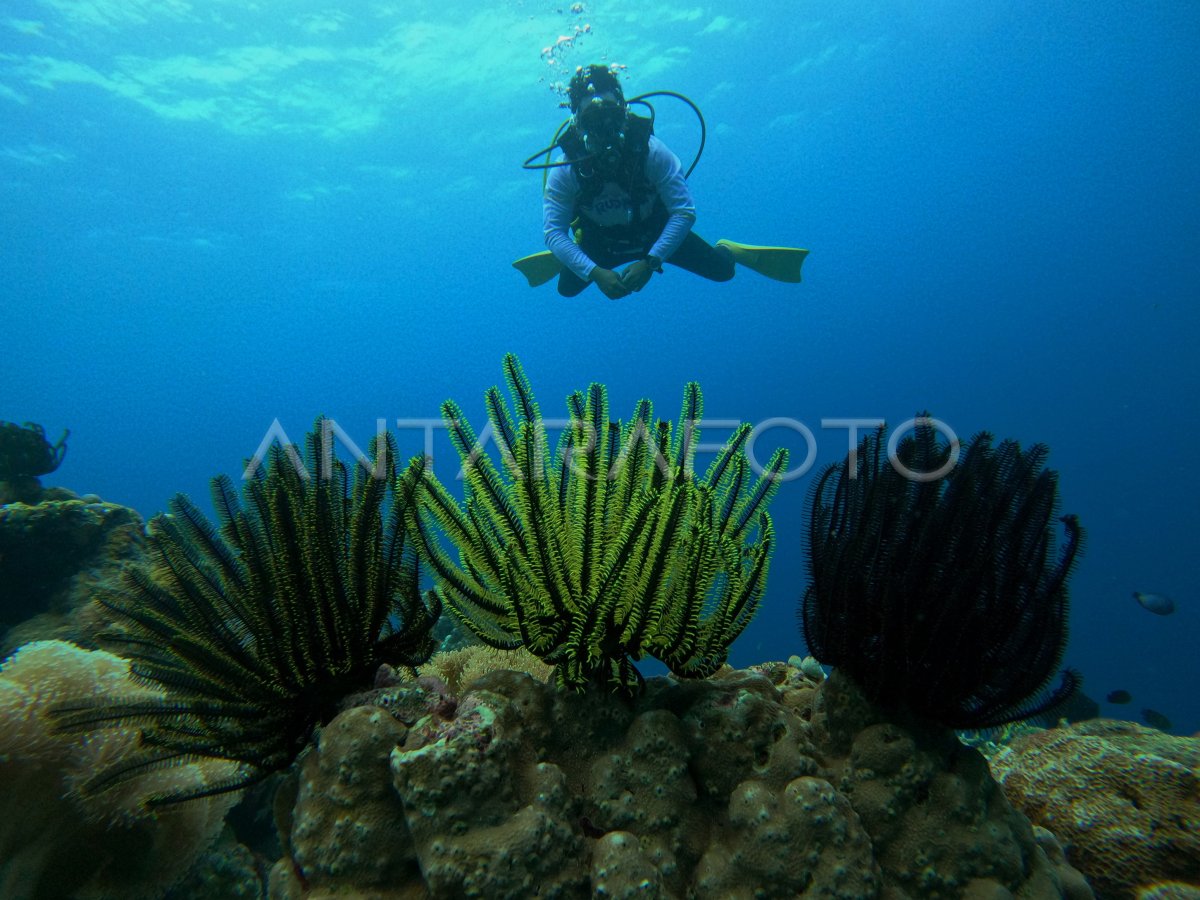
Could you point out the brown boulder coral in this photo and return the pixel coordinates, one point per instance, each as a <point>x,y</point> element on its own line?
<point>1125,800</point>
<point>715,789</point>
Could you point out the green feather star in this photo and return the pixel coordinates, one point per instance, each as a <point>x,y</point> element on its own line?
<point>604,550</point>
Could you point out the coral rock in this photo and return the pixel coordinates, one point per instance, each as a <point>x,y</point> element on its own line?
<point>53,554</point>
<point>488,819</point>
<point>622,870</point>
<point>806,841</point>
<point>1124,800</point>
<point>710,789</point>
<point>347,825</point>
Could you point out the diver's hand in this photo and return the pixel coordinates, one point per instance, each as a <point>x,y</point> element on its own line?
<point>637,275</point>
<point>609,282</point>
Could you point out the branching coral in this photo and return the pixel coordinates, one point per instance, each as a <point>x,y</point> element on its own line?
<point>942,595</point>
<point>257,630</point>
<point>605,550</point>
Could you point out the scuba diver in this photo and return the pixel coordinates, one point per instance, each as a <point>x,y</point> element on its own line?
<point>620,197</point>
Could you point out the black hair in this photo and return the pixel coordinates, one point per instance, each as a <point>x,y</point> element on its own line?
<point>600,79</point>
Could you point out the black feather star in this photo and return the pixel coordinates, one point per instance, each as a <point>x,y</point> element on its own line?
<point>942,596</point>
<point>257,629</point>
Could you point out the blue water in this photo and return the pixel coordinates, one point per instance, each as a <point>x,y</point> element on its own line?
<point>216,215</point>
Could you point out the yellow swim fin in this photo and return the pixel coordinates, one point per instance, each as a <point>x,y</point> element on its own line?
<point>779,263</point>
<point>538,268</point>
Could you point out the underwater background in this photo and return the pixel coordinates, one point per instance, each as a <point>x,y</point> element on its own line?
<point>220,215</point>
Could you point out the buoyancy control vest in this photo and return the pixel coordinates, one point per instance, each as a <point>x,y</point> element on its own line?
<point>646,214</point>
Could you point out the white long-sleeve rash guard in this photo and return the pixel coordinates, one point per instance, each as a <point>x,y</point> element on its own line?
<point>611,207</point>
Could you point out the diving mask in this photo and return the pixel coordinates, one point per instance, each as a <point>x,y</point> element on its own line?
<point>601,122</point>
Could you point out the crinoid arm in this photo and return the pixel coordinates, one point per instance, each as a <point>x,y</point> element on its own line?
<point>942,596</point>
<point>603,549</point>
<point>254,628</point>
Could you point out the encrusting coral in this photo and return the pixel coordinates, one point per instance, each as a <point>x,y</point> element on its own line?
<point>703,789</point>
<point>940,595</point>
<point>1124,799</point>
<point>56,842</point>
<point>609,549</point>
<point>256,632</point>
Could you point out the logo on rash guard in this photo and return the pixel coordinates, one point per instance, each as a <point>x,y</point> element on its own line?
<point>611,207</point>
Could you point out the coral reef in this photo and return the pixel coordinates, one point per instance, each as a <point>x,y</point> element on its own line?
<point>257,632</point>
<point>605,550</point>
<point>940,595</point>
<point>54,553</point>
<point>56,842</point>
<point>1123,799</point>
<point>769,783</point>
<point>25,452</point>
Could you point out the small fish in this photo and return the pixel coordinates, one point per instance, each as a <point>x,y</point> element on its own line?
<point>1155,719</point>
<point>1159,604</point>
<point>1119,697</point>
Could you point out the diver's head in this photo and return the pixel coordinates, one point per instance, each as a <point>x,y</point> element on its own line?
<point>590,81</point>
<point>598,105</point>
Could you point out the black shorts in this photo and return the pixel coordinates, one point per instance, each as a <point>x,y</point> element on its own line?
<point>694,255</point>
